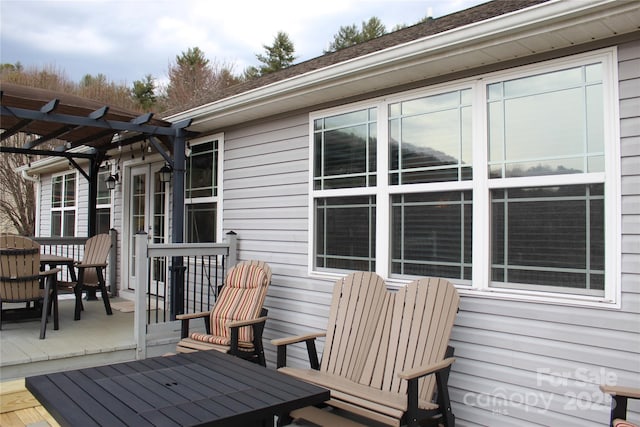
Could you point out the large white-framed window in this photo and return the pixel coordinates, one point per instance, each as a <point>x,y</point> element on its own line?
<point>63,204</point>
<point>504,183</point>
<point>203,190</point>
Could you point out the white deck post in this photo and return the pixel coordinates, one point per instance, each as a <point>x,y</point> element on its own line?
<point>142,279</point>
<point>232,257</point>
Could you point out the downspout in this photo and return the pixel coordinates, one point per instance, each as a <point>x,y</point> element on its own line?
<point>28,177</point>
<point>36,180</point>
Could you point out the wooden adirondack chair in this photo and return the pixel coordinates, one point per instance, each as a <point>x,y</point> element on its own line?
<point>236,322</point>
<point>385,352</point>
<point>91,272</point>
<point>20,279</point>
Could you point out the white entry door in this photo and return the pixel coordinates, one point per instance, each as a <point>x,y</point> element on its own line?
<point>147,207</point>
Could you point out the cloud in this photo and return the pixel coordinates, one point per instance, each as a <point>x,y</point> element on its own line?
<point>126,39</point>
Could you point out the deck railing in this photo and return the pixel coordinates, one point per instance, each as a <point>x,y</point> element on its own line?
<point>177,278</point>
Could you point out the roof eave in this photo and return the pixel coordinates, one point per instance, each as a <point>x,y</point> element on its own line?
<point>349,76</point>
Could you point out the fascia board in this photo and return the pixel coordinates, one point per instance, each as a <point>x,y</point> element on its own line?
<point>541,18</point>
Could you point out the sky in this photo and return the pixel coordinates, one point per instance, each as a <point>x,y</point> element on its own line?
<point>127,39</point>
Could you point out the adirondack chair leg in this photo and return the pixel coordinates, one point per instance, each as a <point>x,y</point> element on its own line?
<point>258,328</point>
<point>619,409</point>
<point>281,361</point>
<point>234,342</point>
<point>45,308</point>
<point>78,293</point>
<point>412,403</point>
<point>184,328</point>
<point>105,294</point>
<point>444,403</point>
<point>313,354</point>
<point>53,302</point>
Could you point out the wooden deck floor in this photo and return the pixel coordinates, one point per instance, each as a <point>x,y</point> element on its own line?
<point>19,408</point>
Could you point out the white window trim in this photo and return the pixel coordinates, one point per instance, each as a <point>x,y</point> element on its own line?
<point>63,209</point>
<point>112,170</point>
<point>481,184</point>
<point>213,199</point>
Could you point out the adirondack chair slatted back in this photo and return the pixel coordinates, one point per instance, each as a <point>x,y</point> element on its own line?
<point>96,251</point>
<point>241,298</point>
<point>357,302</point>
<point>19,269</point>
<point>415,326</point>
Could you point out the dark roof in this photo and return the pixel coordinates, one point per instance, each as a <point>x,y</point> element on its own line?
<point>430,27</point>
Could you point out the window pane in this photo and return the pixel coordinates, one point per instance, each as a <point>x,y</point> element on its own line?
<point>431,234</point>
<point>345,150</point>
<point>549,236</point>
<point>69,223</point>
<point>56,223</point>
<point>56,192</point>
<point>201,222</point>
<point>70,190</point>
<point>345,233</point>
<point>547,124</point>
<point>201,170</point>
<point>104,195</point>
<point>431,140</point>
<point>103,220</point>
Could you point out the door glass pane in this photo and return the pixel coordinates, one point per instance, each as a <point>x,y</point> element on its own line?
<point>138,208</point>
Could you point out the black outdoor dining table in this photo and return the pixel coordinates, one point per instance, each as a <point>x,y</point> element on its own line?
<point>205,388</point>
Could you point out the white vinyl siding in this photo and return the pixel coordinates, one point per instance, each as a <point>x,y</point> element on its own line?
<point>506,350</point>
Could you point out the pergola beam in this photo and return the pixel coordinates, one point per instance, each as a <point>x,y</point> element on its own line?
<point>15,129</point>
<point>114,125</point>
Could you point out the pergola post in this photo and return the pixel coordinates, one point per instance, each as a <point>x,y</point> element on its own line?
<point>177,229</point>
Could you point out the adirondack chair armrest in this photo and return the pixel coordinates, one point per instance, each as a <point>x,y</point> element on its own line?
<point>628,392</point>
<point>86,265</point>
<point>296,339</point>
<point>197,315</point>
<point>422,371</point>
<point>412,376</point>
<point>309,339</point>
<point>49,272</point>
<point>185,318</point>
<point>240,323</point>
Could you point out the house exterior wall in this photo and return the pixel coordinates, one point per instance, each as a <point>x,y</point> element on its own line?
<point>518,363</point>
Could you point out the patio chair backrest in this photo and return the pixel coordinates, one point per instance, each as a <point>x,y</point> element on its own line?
<point>96,251</point>
<point>415,327</point>
<point>19,269</point>
<point>241,298</point>
<point>374,333</point>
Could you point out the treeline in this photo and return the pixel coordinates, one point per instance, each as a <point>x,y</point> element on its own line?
<point>192,78</point>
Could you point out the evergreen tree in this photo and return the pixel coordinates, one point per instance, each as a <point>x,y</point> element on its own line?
<point>350,35</point>
<point>278,56</point>
<point>143,92</point>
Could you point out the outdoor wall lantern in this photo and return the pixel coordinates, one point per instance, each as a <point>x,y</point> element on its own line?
<point>111,181</point>
<point>165,173</point>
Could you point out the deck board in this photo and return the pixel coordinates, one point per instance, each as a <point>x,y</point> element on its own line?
<point>19,408</point>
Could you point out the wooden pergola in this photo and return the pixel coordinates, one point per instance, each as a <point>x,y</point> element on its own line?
<point>61,123</point>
